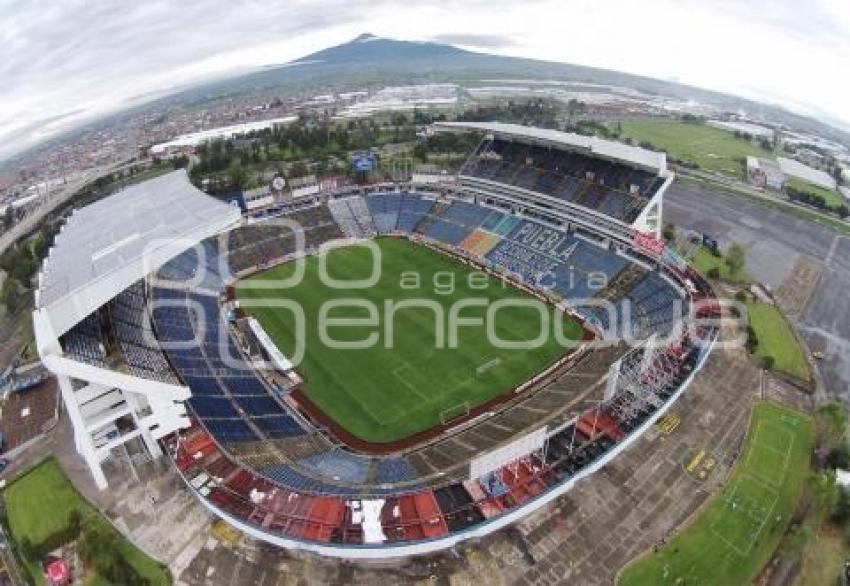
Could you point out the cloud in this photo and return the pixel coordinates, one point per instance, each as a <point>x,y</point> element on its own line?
<point>474,40</point>
<point>68,62</point>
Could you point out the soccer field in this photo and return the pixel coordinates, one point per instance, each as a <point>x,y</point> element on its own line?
<point>408,382</point>
<point>735,535</point>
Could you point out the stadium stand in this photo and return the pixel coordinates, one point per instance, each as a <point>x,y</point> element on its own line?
<point>135,335</point>
<point>340,465</point>
<point>84,341</point>
<point>411,211</point>
<point>298,507</point>
<point>613,189</point>
<point>352,215</point>
<point>262,244</point>
<point>385,208</point>
<point>200,266</point>
<point>453,223</point>
<point>228,397</point>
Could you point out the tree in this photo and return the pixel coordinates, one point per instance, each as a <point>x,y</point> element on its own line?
<point>839,457</point>
<point>298,169</point>
<point>420,152</point>
<point>236,176</point>
<point>180,162</point>
<point>28,550</point>
<point>11,295</point>
<point>736,258</point>
<point>8,217</point>
<point>838,174</point>
<point>75,521</point>
<point>752,339</point>
<point>831,432</point>
<point>768,362</point>
<point>669,231</point>
<point>841,511</point>
<point>573,107</point>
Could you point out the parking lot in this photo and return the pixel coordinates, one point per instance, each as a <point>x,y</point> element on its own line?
<point>775,243</point>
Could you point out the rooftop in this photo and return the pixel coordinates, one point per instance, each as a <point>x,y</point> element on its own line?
<point>800,171</point>
<point>108,245</point>
<point>637,156</point>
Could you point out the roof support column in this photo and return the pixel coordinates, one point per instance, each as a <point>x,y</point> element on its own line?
<point>82,438</point>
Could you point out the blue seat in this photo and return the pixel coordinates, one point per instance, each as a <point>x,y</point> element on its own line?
<point>278,426</point>
<point>230,431</point>
<point>212,407</point>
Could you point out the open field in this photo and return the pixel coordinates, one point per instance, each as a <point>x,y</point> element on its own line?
<point>710,148</point>
<point>823,559</point>
<point>776,339</point>
<point>832,199</point>
<point>732,539</point>
<point>406,382</point>
<point>703,260</point>
<point>39,505</point>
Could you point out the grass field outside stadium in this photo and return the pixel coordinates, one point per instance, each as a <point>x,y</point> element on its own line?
<point>831,198</point>
<point>383,394</point>
<point>711,148</point>
<point>734,536</point>
<point>776,339</point>
<point>704,261</point>
<point>39,505</point>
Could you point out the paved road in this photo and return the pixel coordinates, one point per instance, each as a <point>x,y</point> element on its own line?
<point>55,199</point>
<point>775,241</point>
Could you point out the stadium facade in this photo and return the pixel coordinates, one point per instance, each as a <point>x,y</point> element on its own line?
<point>135,314</point>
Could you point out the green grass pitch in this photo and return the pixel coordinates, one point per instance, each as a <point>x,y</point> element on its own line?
<point>734,536</point>
<point>39,504</point>
<point>382,394</point>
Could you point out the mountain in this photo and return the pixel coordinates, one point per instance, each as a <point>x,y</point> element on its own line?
<point>372,60</point>
<point>369,59</point>
<point>369,48</point>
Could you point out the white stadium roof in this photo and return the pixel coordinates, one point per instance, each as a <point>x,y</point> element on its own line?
<point>105,247</point>
<point>651,160</point>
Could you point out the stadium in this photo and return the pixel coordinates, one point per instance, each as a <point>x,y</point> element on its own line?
<point>170,316</point>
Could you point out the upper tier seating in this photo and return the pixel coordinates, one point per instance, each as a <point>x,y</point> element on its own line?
<point>614,189</point>
<point>264,243</point>
<point>200,266</point>
<point>83,341</point>
<point>135,336</point>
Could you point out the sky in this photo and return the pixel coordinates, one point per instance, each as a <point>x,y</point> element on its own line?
<point>69,62</point>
